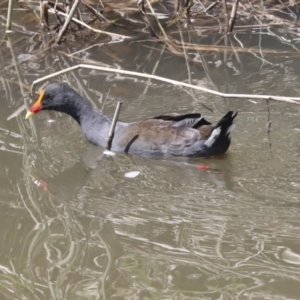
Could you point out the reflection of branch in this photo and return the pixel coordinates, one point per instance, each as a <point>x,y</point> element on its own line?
<point>295,100</point>
<point>107,269</point>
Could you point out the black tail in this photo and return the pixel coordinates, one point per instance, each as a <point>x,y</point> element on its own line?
<point>226,122</point>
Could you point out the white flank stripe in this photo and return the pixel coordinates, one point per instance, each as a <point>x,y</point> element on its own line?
<point>213,137</point>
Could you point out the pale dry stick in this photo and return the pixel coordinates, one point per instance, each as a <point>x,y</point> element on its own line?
<point>67,21</point>
<point>79,81</point>
<point>113,126</point>
<point>217,48</point>
<point>9,13</point>
<point>295,100</point>
<point>158,23</point>
<point>273,24</point>
<point>89,27</point>
<point>211,6</point>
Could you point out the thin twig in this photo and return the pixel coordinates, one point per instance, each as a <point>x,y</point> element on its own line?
<point>113,126</point>
<point>9,13</point>
<point>233,15</point>
<point>67,22</point>
<point>159,25</point>
<point>89,27</point>
<point>295,100</point>
<point>44,12</point>
<point>225,14</point>
<point>211,6</point>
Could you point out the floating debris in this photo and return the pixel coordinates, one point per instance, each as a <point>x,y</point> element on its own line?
<point>132,174</point>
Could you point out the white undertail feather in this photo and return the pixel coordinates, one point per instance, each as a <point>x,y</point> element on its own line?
<point>230,129</point>
<point>213,137</point>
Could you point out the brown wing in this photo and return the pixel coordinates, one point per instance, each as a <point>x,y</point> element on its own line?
<point>158,135</point>
<point>205,131</point>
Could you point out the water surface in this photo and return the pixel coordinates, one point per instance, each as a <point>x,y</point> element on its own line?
<point>74,227</point>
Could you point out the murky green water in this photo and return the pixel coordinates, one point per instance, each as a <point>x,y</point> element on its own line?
<point>73,227</point>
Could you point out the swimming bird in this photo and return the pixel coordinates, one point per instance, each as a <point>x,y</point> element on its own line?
<point>170,134</point>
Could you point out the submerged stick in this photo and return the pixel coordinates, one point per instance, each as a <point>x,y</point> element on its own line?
<point>113,126</point>
<point>9,13</point>
<point>67,21</point>
<point>233,15</point>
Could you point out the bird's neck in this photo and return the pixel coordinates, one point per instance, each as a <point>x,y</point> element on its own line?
<point>94,124</point>
<point>82,111</point>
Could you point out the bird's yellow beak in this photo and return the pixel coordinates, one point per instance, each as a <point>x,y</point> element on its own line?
<point>29,114</point>
<point>36,107</point>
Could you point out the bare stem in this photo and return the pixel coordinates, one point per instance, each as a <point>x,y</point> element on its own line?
<point>113,126</point>
<point>233,15</point>
<point>295,100</point>
<point>9,13</point>
<point>89,27</point>
<point>67,21</point>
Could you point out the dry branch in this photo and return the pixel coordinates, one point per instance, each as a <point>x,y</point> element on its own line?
<point>295,100</point>
<point>67,21</point>
<point>89,27</point>
<point>9,13</point>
